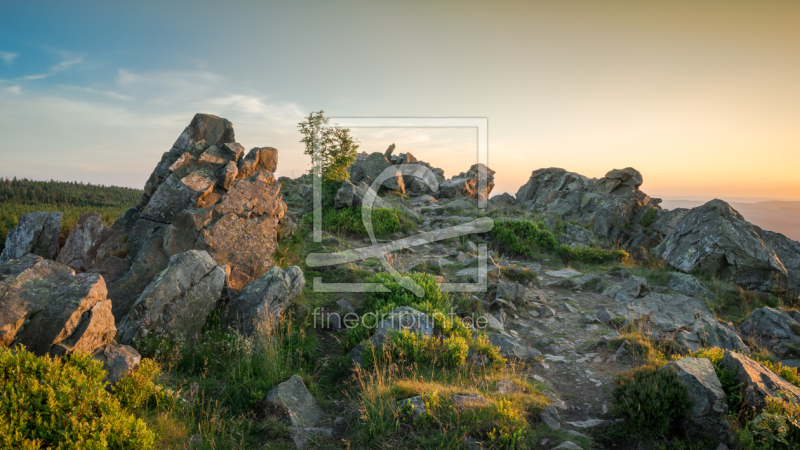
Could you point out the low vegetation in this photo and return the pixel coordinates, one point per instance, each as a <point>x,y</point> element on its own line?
<point>63,403</point>
<point>527,238</point>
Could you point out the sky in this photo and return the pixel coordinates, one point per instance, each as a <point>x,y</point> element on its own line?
<point>703,98</point>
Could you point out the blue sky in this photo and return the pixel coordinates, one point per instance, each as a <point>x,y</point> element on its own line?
<point>704,99</point>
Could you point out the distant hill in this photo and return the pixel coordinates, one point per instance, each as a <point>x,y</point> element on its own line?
<point>778,216</point>
<point>20,196</point>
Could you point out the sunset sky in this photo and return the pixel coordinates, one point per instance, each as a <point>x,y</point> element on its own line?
<point>702,97</point>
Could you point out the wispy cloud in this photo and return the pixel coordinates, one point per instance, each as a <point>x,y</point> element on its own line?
<point>8,57</point>
<point>60,67</point>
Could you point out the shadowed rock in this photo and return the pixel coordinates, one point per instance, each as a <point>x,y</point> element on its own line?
<point>176,303</point>
<point>267,296</point>
<point>118,361</point>
<point>774,329</point>
<point>83,241</point>
<point>37,233</point>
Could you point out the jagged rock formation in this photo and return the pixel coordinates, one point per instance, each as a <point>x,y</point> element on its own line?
<point>468,184</point>
<point>367,167</point>
<point>205,194</point>
<point>612,207</point>
<point>176,303</point>
<point>49,309</point>
<point>36,233</point>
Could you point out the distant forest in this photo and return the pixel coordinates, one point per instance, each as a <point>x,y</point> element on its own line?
<point>73,199</point>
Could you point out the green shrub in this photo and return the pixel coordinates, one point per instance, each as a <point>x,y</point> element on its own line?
<point>648,218</point>
<point>594,255</point>
<point>523,237</point>
<point>136,389</point>
<point>650,400</point>
<point>449,351</point>
<point>62,403</point>
<point>350,220</point>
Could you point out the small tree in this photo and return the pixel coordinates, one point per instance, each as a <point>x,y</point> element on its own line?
<point>335,148</point>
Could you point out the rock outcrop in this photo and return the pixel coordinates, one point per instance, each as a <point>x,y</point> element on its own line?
<point>715,238</point>
<point>37,233</point>
<point>205,194</point>
<point>267,296</point>
<point>468,184</point>
<point>176,303</point>
<point>49,309</point>
<point>613,207</point>
<point>83,241</point>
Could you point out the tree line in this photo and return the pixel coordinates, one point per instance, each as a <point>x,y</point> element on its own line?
<point>73,199</point>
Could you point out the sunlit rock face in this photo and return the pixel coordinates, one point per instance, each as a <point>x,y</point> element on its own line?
<point>206,194</point>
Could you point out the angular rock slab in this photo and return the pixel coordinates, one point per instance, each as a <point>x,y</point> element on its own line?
<point>775,329</point>
<point>83,241</point>
<point>715,238</point>
<point>176,303</point>
<point>293,396</point>
<point>513,348</point>
<point>709,410</point>
<point>37,233</point>
<point>685,319</point>
<point>118,361</point>
<point>268,296</point>
<point>758,381</point>
<point>49,309</point>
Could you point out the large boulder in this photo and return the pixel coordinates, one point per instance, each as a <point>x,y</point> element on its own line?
<point>83,241</point>
<point>176,303</point>
<point>758,382</point>
<point>268,296</point>
<point>707,416</point>
<point>49,309</point>
<point>36,233</point>
<point>203,195</point>
<point>774,329</point>
<point>468,184</point>
<point>716,239</point>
